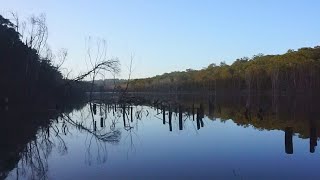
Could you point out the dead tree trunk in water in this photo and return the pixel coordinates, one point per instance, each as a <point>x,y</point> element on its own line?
<point>198,118</point>
<point>313,139</point>
<point>170,117</point>
<point>131,113</point>
<point>164,114</point>
<point>193,112</point>
<point>180,118</point>
<point>124,115</point>
<point>288,140</point>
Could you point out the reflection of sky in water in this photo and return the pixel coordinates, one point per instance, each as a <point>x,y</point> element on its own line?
<point>219,149</point>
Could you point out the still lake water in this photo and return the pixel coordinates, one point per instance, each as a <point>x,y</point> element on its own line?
<point>203,140</point>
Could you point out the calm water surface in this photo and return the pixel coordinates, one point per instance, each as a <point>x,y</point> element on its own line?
<point>140,141</point>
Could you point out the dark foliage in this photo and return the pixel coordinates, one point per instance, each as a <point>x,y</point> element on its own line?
<point>25,76</point>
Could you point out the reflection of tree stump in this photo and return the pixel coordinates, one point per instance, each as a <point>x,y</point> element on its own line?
<point>101,122</point>
<point>193,112</point>
<point>164,114</point>
<point>198,118</point>
<point>201,122</point>
<point>94,109</point>
<point>201,111</point>
<point>288,140</point>
<point>131,114</point>
<point>124,115</point>
<point>313,139</point>
<point>180,118</point>
<point>170,122</point>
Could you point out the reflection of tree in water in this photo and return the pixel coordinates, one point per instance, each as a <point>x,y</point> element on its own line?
<point>34,157</point>
<point>104,124</point>
<point>131,124</point>
<point>96,138</point>
<point>112,117</point>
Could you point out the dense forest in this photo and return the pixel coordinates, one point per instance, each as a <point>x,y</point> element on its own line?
<point>25,75</point>
<point>292,72</point>
<point>30,72</point>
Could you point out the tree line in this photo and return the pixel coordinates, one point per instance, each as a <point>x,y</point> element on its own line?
<point>296,71</point>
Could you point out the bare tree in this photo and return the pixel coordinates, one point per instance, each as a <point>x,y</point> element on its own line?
<point>130,73</point>
<point>99,64</point>
<point>37,33</point>
<point>59,59</point>
<point>33,31</point>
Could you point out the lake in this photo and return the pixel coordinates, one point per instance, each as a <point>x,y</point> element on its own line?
<point>158,137</point>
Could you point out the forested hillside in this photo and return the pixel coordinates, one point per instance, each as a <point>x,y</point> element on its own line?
<point>292,72</point>
<point>25,75</point>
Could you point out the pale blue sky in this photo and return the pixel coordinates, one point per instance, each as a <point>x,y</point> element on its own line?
<point>170,35</point>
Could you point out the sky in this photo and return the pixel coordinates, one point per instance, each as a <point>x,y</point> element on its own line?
<point>173,35</point>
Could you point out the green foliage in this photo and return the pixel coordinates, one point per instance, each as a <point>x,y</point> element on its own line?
<point>294,71</point>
